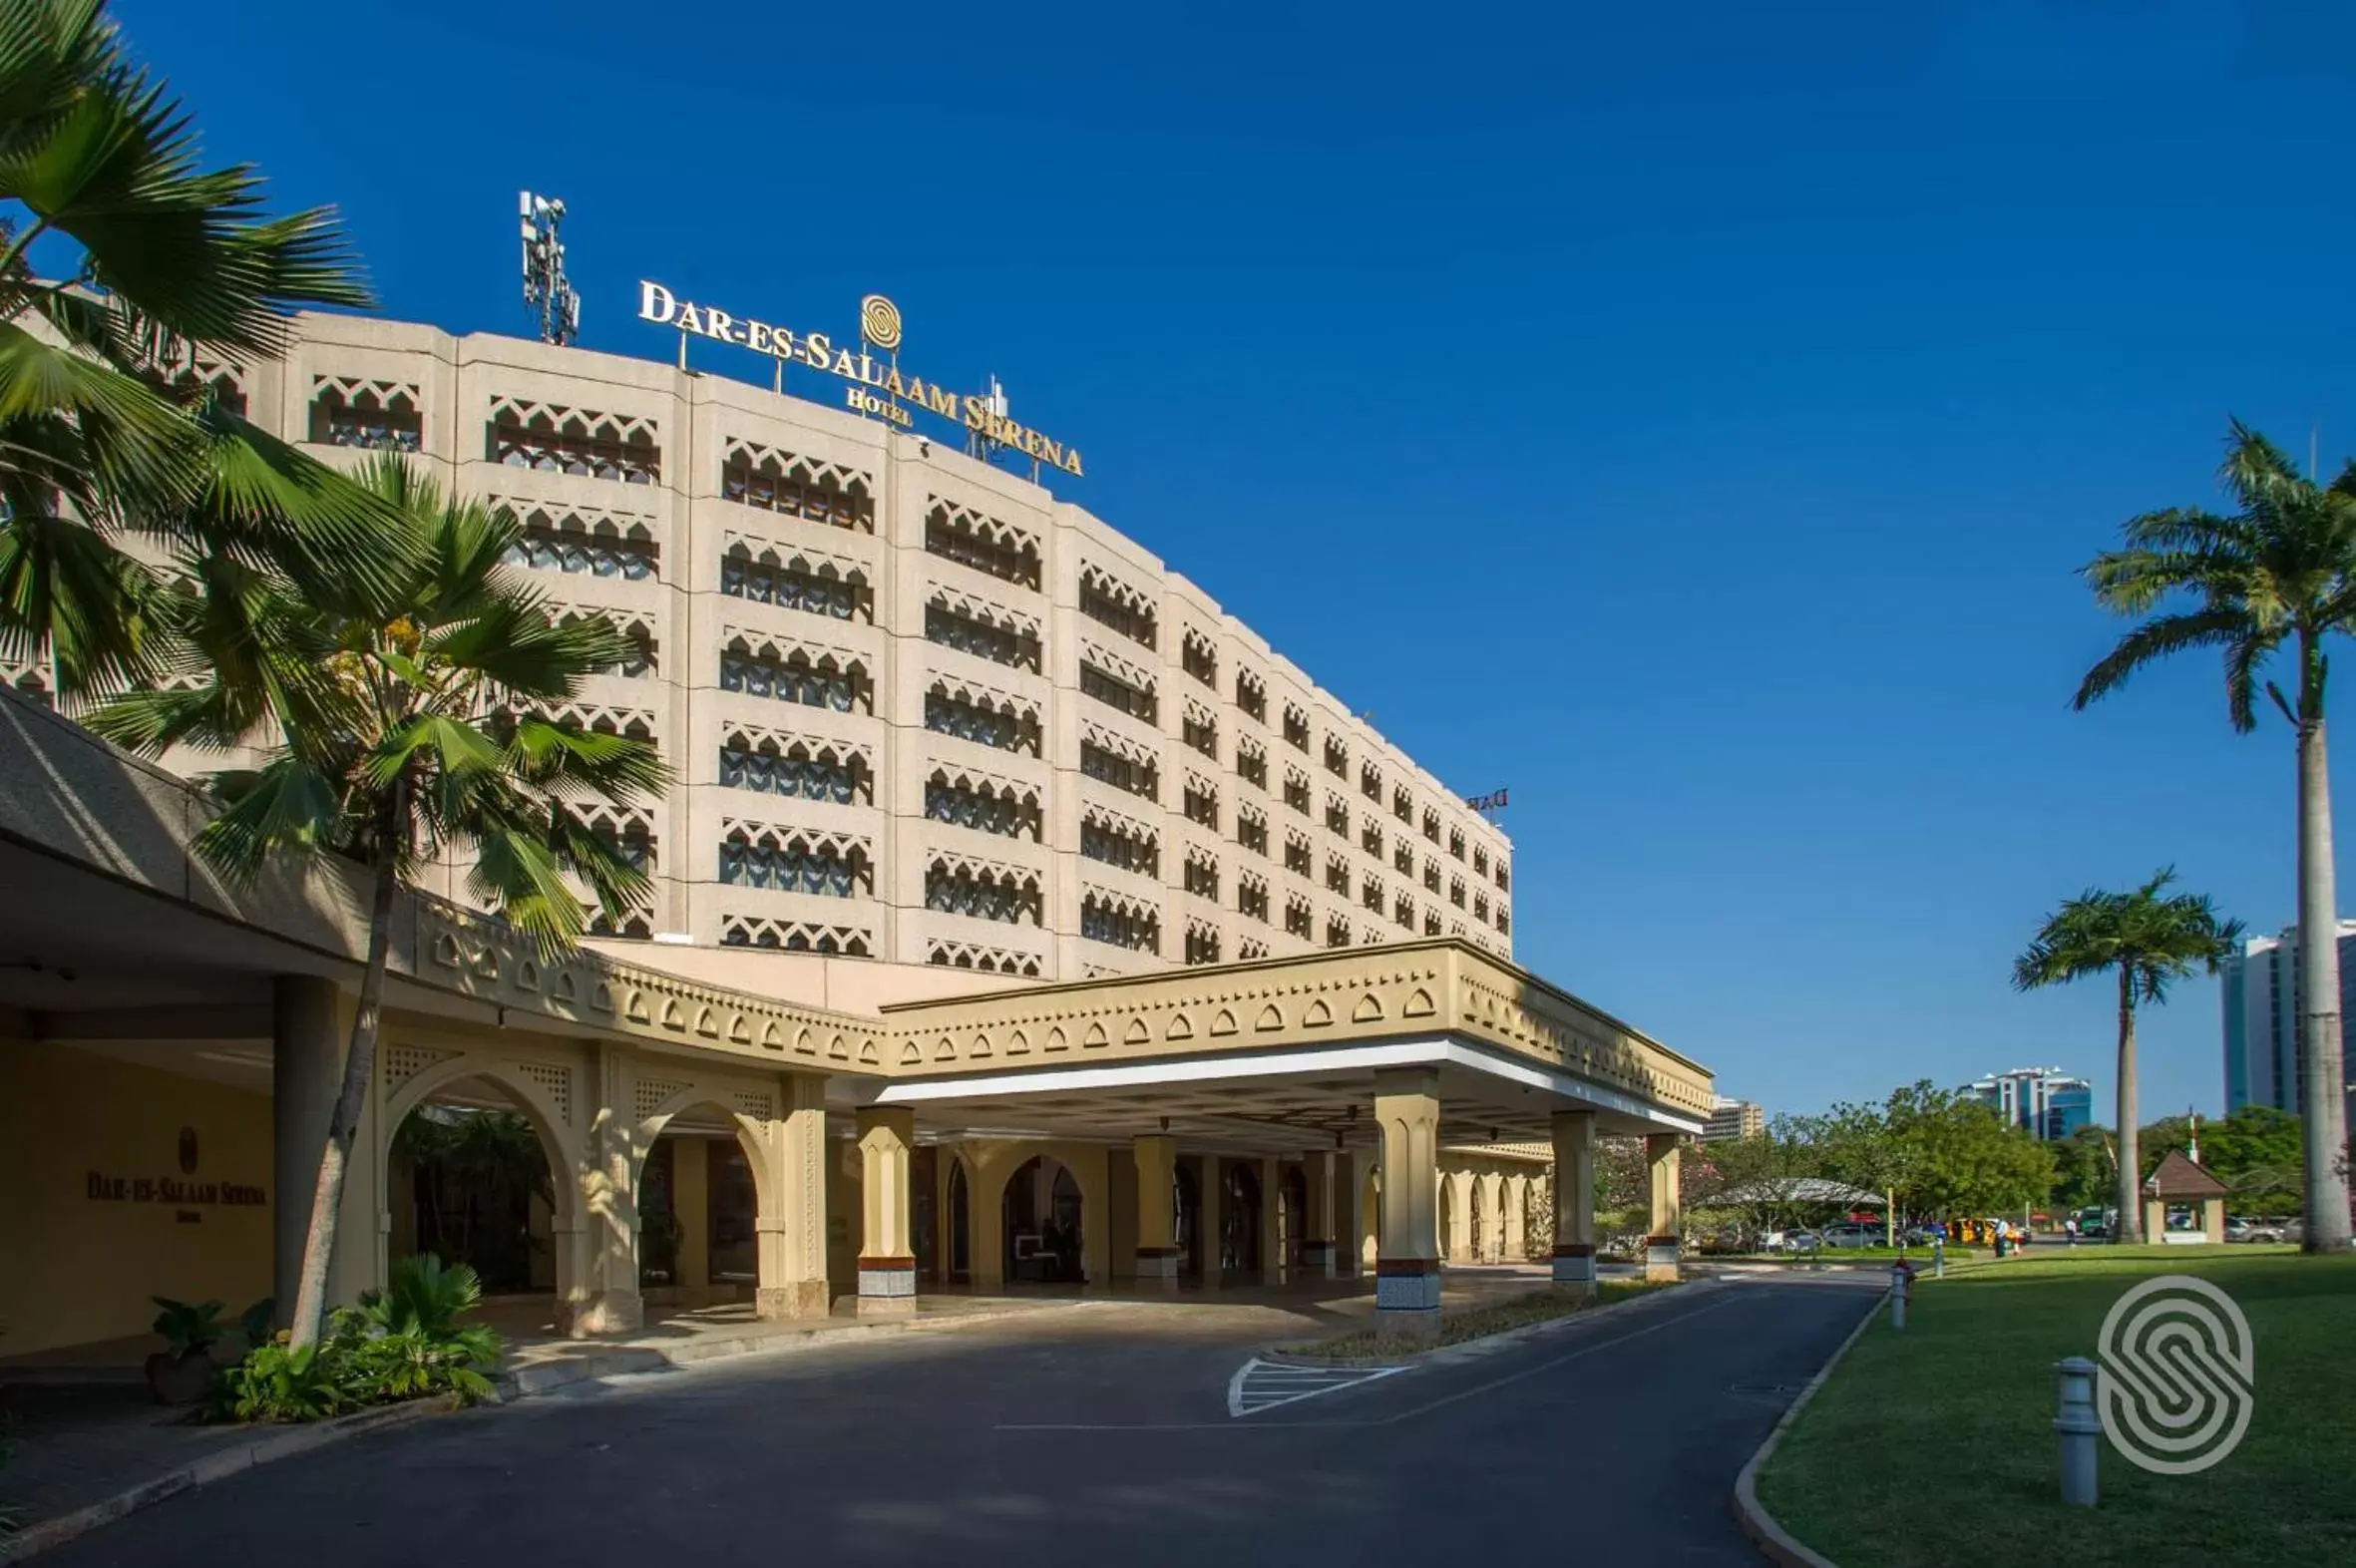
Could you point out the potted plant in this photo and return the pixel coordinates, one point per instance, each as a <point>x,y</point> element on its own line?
<point>182,1371</point>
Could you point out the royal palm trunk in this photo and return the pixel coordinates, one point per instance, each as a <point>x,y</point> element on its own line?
<point>2322,1075</point>
<point>2129,1228</point>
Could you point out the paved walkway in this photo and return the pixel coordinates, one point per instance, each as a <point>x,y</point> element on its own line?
<point>1041,1438</point>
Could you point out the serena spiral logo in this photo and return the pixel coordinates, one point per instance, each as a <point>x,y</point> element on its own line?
<point>878,322</point>
<point>2177,1368</point>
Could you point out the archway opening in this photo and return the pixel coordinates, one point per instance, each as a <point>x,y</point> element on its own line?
<point>1186,1220</point>
<point>960,1224</point>
<point>1444,1212</point>
<point>1484,1241</point>
<point>469,1178</point>
<point>1041,1223</point>
<point>1239,1220</point>
<point>698,1213</point>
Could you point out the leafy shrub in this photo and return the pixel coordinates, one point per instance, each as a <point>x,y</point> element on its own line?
<point>402,1343</point>
<point>187,1329</point>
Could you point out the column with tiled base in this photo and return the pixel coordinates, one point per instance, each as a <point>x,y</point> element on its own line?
<point>1406,1275</point>
<point>887,1261</point>
<point>1661,1244</point>
<point>1157,1242</point>
<point>1574,1200</point>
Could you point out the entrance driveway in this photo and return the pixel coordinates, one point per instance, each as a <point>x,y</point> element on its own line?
<point>1103,1434</point>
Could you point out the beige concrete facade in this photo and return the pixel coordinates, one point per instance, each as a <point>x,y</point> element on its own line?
<point>1163,788</point>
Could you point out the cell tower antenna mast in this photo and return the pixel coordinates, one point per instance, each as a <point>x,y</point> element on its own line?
<point>547,292</point>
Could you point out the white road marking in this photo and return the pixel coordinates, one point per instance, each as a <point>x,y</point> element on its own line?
<point>1263,1385</point>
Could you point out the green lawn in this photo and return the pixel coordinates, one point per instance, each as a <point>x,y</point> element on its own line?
<point>1937,1446</point>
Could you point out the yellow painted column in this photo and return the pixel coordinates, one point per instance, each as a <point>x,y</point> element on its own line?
<point>1463,1243</point>
<point>1574,1200</point>
<point>1156,1156</point>
<point>691,1208</point>
<point>1317,1230</point>
<point>1661,1246</point>
<point>1514,1197</point>
<point>887,1254</point>
<point>791,1225</point>
<point>1407,1276</point>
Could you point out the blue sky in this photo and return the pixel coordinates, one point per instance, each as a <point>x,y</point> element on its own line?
<point>1691,419</point>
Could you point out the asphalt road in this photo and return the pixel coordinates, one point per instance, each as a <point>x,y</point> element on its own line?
<point>1099,1432</point>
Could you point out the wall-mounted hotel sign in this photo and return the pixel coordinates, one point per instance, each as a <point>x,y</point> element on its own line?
<point>876,386</point>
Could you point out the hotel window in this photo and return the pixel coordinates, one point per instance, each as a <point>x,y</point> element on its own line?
<point>1336,874</point>
<point>1106,767</point>
<point>1117,846</point>
<point>981,895</point>
<point>794,772</point>
<point>1198,659</point>
<point>639,660</point>
<point>1248,949</point>
<point>1457,841</point>
<point>1431,826</point>
<point>1457,891</point>
<point>1370,782</point>
<point>1296,853</point>
<point>1480,861</point>
<point>1480,905</point>
<point>1431,875</point>
<point>969,635</point>
<point>1370,893</point>
<point>738,930</point>
<point>1430,922</point>
<point>983,808</point>
<point>548,547</point>
<point>1202,945</point>
<point>1504,877</point>
<point>820,593</point>
<point>1200,805</point>
<point>1337,932</point>
<point>1505,921</point>
<point>1201,734</point>
<point>1250,897</point>
<point>1336,815</point>
<point>582,442</point>
<point>1250,764</point>
<point>1300,920</point>
<point>378,416</point>
<point>1403,859</point>
<point>1402,806</point>
<point>796,488</point>
<point>1296,728</point>
<point>1337,758</point>
<point>1121,927</point>
<point>796,678</point>
<point>1108,603</point>
<point>1250,831</point>
<point>1297,791</point>
<point>1402,911</point>
<point>794,863</point>
<point>986,546</point>
<point>1002,728</point>
<point>1115,692</point>
<point>1200,877</point>
<point>1251,696</point>
<point>1369,839</point>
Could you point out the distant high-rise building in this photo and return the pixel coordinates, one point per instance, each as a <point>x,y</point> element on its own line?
<point>1730,1119</point>
<point>2266,1038</point>
<point>2044,1102</point>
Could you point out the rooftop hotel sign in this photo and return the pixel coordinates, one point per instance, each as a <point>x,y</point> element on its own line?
<point>876,386</point>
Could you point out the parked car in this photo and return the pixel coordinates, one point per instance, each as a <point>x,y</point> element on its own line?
<point>1854,1233</point>
<point>1792,1241</point>
<point>1923,1235</point>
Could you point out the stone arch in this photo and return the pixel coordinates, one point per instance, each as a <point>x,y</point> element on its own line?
<point>1058,1212</point>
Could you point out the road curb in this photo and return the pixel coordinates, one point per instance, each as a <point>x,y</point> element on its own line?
<point>266,1446</point>
<point>270,1444</point>
<point>1776,1542</point>
<point>1489,1342</point>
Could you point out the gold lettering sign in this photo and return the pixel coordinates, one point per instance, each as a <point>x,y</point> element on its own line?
<point>876,386</point>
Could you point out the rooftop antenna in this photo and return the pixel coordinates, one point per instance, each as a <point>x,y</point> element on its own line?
<point>547,292</point>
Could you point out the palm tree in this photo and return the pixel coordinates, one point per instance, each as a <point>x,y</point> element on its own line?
<point>396,723</point>
<point>2151,941</point>
<point>2281,570</point>
<point>154,262</point>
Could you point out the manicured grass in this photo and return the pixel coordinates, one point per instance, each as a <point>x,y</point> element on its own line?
<point>1937,1446</point>
<point>1365,1347</point>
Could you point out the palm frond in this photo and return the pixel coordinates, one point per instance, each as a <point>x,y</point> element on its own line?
<point>2155,640</point>
<point>286,807</point>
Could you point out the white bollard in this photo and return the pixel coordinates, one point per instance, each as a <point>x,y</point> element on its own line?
<point>1901,1277</point>
<point>2078,1426</point>
<point>1939,1258</point>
